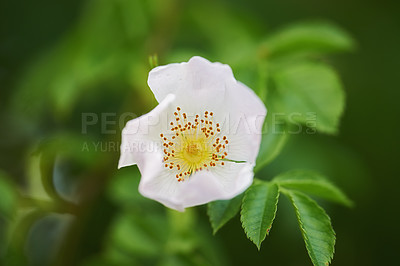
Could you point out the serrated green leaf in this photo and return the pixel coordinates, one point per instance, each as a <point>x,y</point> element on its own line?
<point>258,211</point>
<point>310,94</point>
<point>312,183</point>
<point>221,211</point>
<point>311,37</point>
<point>315,226</point>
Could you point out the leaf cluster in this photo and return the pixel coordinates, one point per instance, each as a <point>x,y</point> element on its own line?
<point>303,95</point>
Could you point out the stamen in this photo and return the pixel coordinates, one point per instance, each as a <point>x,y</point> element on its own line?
<point>194,145</point>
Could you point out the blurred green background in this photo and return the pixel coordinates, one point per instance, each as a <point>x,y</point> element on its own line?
<point>62,201</point>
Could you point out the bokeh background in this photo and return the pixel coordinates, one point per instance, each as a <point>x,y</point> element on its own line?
<point>62,200</point>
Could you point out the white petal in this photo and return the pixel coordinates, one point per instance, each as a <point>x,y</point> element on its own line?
<point>246,119</point>
<point>158,183</point>
<point>207,186</point>
<point>142,134</point>
<point>202,187</point>
<point>195,79</point>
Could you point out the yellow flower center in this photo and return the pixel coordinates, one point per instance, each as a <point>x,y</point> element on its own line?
<point>193,145</point>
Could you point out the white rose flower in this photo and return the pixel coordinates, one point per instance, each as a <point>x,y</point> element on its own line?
<point>201,142</point>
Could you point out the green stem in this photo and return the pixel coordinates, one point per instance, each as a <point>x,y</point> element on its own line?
<point>233,161</point>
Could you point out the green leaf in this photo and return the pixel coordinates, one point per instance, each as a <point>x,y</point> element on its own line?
<point>309,37</point>
<point>312,183</point>
<point>221,211</point>
<point>310,94</point>
<point>315,226</point>
<point>258,210</point>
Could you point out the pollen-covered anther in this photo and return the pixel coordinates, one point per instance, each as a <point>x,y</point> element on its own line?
<point>194,144</point>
